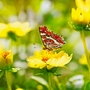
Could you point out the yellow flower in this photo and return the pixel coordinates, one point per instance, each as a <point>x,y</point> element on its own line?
<point>48,59</point>
<point>3,30</point>
<point>6,59</point>
<point>80,16</point>
<point>20,29</point>
<point>83,60</point>
<point>83,4</point>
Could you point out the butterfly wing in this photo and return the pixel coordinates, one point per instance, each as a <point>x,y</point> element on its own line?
<point>50,40</point>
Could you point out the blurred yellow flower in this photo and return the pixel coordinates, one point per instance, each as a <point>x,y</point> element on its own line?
<point>20,29</point>
<point>83,4</point>
<point>19,89</point>
<point>39,87</point>
<point>82,14</point>
<point>6,59</point>
<point>83,60</point>
<point>48,59</point>
<point>3,30</point>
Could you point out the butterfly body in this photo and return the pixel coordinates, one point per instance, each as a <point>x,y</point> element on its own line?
<point>51,40</point>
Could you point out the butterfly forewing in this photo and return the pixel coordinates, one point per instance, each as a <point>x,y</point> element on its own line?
<point>50,40</point>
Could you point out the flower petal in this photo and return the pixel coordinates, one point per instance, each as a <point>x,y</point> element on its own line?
<point>60,61</point>
<point>3,30</point>
<point>48,59</point>
<point>36,63</point>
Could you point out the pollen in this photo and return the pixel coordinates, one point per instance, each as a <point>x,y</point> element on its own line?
<point>5,54</point>
<point>45,59</point>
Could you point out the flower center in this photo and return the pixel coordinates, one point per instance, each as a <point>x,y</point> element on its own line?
<point>5,54</point>
<point>80,13</point>
<point>45,59</point>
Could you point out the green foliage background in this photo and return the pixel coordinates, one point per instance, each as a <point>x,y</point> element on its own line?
<point>56,15</point>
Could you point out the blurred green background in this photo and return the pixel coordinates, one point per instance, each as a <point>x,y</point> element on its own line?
<point>56,15</point>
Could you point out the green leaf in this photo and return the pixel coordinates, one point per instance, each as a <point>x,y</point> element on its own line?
<point>14,69</point>
<point>87,86</point>
<point>40,80</point>
<point>57,74</point>
<point>39,74</point>
<point>53,70</point>
<point>12,36</point>
<point>79,27</point>
<point>1,73</point>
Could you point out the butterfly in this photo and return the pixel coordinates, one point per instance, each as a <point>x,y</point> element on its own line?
<point>50,40</point>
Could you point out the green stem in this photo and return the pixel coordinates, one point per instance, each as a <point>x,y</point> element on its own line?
<point>8,79</point>
<point>86,50</point>
<point>49,81</point>
<point>58,83</point>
